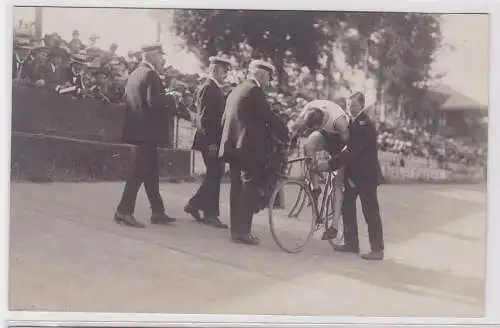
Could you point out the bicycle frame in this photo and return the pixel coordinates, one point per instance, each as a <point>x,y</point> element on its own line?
<point>322,211</point>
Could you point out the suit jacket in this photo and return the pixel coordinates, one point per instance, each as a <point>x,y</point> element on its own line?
<point>361,155</point>
<point>209,110</point>
<point>248,127</point>
<point>57,76</point>
<point>27,70</point>
<point>148,110</point>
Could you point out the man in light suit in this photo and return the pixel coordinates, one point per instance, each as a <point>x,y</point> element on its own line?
<point>248,128</point>
<point>210,106</point>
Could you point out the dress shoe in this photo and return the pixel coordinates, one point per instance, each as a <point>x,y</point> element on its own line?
<point>194,212</point>
<point>373,256</point>
<point>245,239</point>
<point>346,249</point>
<point>128,220</point>
<point>214,221</point>
<point>329,234</point>
<point>162,218</point>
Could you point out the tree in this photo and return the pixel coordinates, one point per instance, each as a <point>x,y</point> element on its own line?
<point>402,46</point>
<point>280,36</point>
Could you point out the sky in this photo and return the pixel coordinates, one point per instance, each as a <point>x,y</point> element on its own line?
<point>467,67</point>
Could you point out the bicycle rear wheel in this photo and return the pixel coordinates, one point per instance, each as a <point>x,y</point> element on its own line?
<point>291,226</point>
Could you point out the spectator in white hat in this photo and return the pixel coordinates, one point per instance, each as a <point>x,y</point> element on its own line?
<point>248,129</point>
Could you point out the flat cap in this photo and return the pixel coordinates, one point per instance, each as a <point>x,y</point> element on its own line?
<point>152,47</point>
<point>261,64</point>
<point>220,60</point>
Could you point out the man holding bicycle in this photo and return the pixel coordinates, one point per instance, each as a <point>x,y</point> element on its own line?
<point>362,168</point>
<point>330,126</point>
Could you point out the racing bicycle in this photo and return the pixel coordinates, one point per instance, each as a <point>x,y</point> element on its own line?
<point>315,210</point>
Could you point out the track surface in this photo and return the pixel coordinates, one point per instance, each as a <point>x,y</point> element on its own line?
<point>68,255</point>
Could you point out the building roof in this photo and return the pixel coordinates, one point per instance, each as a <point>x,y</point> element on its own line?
<point>452,100</point>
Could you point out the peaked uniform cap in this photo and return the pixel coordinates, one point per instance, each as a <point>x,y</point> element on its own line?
<point>261,64</point>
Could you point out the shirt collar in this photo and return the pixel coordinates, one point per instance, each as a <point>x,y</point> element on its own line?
<point>216,82</point>
<point>256,82</point>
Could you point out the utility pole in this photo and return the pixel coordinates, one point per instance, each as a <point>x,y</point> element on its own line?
<point>38,22</point>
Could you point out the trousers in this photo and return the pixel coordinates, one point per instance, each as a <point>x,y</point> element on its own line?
<point>208,194</point>
<point>371,212</point>
<point>245,197</point>
<point>144,170</point>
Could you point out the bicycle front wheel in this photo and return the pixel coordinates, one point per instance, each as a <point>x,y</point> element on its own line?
<point>292,215</point>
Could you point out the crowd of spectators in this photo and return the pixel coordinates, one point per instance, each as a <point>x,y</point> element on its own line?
<point>404,139</point>
<point>74,68</point>
<point>82,70</point>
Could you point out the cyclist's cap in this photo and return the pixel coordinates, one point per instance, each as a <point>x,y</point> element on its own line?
<point>219,60</point>
<point>260,64</point>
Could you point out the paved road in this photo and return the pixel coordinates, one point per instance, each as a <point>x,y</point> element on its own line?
<point>67,255</point>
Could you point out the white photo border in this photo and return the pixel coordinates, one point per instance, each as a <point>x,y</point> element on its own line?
<point>31,319</point>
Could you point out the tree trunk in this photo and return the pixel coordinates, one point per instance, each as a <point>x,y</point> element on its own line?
<point>399,105</point>
<point>330,82</point>
<point>280,72</point>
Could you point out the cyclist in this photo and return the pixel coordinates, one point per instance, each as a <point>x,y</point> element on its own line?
<point>330,126</point>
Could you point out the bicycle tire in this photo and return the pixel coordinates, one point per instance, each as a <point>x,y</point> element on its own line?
<point>303,190</point>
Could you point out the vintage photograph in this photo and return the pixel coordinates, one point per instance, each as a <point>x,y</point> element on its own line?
<point>258,162</point>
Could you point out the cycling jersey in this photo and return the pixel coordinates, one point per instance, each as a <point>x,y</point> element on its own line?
<point>331,111</point>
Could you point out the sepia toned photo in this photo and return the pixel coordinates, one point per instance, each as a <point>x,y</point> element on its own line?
<point>255,162</point>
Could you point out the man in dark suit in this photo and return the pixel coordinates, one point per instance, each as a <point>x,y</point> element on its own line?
<point>57,74</point>
<point>210,106</point>
<point>362,179</point>
<point>146,118</point>
<point>248,125</point>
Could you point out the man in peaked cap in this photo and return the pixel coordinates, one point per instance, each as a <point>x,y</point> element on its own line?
<point>210,104</point>
<point>248,128</point>
<point>146,119</point>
